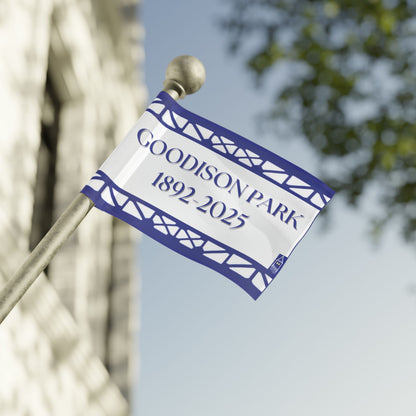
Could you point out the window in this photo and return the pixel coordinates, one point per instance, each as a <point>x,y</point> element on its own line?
<point>42,217</point>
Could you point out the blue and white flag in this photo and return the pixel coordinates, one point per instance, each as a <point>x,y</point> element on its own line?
<point>209,194</point>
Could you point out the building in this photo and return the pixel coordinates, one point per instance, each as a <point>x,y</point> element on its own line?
<point>70,88</point>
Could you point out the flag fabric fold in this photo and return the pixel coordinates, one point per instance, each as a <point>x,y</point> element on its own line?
<point>209,194</point>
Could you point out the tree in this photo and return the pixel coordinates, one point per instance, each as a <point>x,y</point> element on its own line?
<point>349,71</point>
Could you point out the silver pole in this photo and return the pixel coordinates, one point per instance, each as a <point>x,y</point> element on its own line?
<point>184,75</point>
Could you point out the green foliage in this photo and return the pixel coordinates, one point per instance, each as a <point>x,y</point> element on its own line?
<point>349,87</point>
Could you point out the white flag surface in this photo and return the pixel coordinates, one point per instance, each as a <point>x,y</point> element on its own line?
<point>209,194</point>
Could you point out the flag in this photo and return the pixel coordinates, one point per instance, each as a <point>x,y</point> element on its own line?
<point>209,194</point>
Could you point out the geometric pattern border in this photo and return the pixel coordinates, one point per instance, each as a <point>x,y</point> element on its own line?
<point>178,236</point>
<point>236,148</point>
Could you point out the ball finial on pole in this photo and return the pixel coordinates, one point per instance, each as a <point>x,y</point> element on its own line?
<point>184,75</point>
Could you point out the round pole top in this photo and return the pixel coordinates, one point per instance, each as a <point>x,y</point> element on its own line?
<point>185,75</point>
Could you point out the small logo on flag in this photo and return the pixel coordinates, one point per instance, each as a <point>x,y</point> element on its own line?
<point>277,264</point>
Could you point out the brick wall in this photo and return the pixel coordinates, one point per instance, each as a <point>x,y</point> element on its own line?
<point>67,347</point>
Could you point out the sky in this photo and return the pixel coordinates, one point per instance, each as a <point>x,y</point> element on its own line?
<point>334,334</point>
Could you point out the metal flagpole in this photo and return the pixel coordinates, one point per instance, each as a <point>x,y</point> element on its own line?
<point>184,75</point>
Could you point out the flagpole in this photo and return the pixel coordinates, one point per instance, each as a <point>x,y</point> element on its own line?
<point>184,76</point>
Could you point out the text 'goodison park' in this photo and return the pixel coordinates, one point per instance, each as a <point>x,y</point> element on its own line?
<point>222,180</point>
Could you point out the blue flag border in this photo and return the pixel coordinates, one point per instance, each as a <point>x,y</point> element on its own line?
<point>242,151</point>
<point>250,275</point>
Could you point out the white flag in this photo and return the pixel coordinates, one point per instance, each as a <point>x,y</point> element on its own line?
<point>209,194</point>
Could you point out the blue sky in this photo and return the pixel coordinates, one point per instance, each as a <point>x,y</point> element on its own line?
<point>335,333</point>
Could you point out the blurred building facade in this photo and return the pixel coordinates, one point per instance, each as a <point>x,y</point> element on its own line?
<point>70,88</point>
